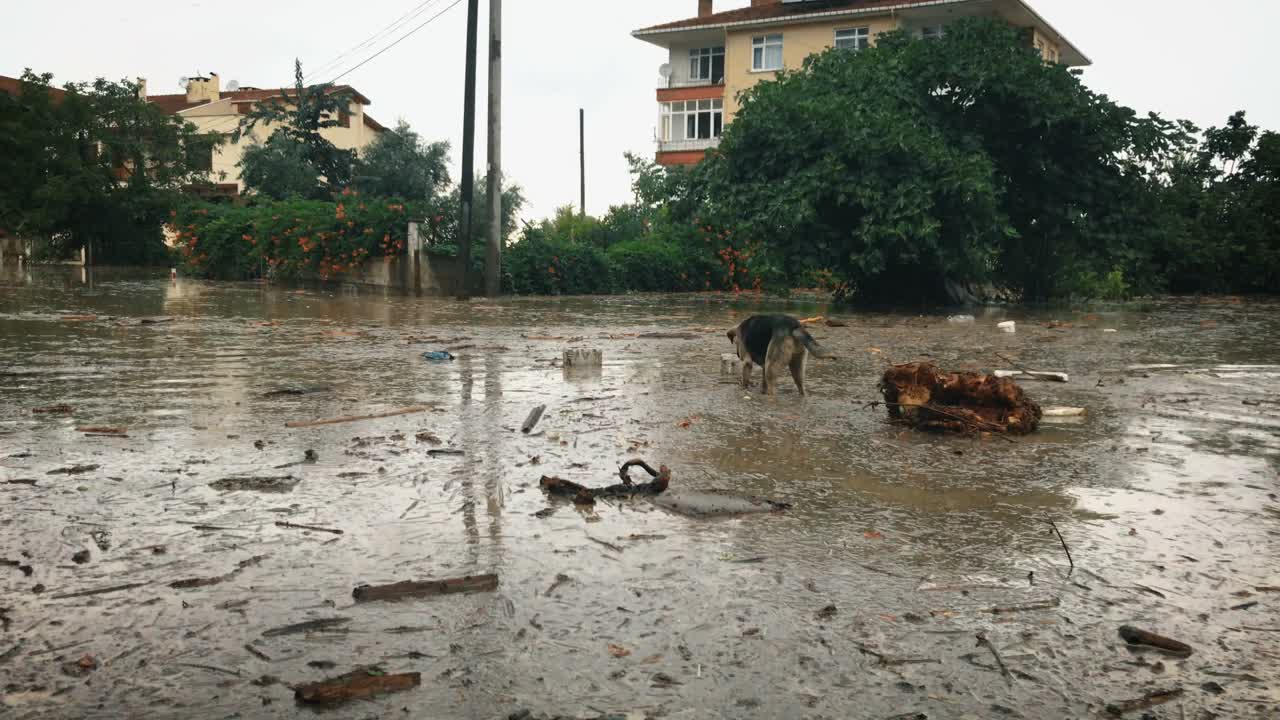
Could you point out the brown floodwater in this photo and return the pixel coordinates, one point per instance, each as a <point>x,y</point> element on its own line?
<point>864,600</point>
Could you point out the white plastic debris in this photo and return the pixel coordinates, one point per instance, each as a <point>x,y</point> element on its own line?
<point>1008,326</point>
<point>1057,412</point>
<point>1110,330</point>
<point>1047,376</point>
<point>962,319</point>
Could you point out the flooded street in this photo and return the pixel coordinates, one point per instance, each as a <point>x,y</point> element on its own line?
<point>864,600</point>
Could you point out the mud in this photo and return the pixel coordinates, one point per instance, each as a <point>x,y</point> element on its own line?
<point>866,598</point>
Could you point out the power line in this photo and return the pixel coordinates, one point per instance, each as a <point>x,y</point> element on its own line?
<point>396,24</point>
<point>402,38</point>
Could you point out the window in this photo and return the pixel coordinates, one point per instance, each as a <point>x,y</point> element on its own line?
<point>766,52</point>
<point>853,38</point>
<point>931,32</point>
<point>707,64</point>
<point>692,120</point>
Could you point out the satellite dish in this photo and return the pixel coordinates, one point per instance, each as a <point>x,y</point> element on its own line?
<point>233,85</point>
<point>183,80</point>
<point>665,70</point>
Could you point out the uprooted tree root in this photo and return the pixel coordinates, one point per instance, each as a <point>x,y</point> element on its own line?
<point>586,496</point>
<point>923,397</point>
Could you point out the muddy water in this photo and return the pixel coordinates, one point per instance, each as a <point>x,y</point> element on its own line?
<point>1165,495</point>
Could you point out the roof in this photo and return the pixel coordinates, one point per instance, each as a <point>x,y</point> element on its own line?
<point>174,104</point>
<point>373,124</point>
<point>13,86</point>
<point>770,12</point>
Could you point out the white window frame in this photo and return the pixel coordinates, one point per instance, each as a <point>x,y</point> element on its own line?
<point>689,115</point>
<point>854,38</point>
<point>933,32</point>
<point>760,47</point>
<point>709,54</point>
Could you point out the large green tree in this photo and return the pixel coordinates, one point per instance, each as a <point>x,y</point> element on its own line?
<point>399,163</point>
<point>92,164</point>
<point>296,146</point>
<point>919,166</point>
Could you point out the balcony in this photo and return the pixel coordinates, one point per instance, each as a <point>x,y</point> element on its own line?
<point>688,145</point>
<point>673,83</point>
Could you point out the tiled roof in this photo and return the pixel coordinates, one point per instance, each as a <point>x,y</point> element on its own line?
<point>177,103</point>
<point>13,86</point>
<point>772,11</point>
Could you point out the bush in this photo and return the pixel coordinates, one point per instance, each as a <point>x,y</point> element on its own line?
<point>540,265</point>
<point>648,265</point>
<point>291,239</point>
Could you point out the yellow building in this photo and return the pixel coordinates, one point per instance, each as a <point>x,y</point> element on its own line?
<point>716,55</point>
<point>216,111</point>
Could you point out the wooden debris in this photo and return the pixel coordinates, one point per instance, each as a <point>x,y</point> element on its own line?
<point>292,526</point>
<point>922,396</point>
<point>102,430</point>
<point>1062,412</point>
<point>1151,699</point>
<point>1065,549</point>
<point>1035,605</point>
<point>207,581</point>
<point>427,588</point>
<point>99,591</point>
<point>74,470</point>
<point>63,409</point>
<point>1034,375</point>
<point>531,421</point>
<point>79,318</point>
<point>266,484</point>
<point>308,626</point>
<point>586,496</point>
<point>1135,636</point>
<point>296,391</point>
<point>1004,669</point>
<point>358,685</point>
<point>357,418</point>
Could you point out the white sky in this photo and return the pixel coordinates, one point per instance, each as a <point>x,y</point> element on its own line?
<point>1169,56</point>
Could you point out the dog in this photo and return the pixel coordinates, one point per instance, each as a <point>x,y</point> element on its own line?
<point>774,342</point>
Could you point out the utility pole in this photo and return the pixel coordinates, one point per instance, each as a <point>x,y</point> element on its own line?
<point>582,156</point>
<point>493,256</point>
<point>468,152</point>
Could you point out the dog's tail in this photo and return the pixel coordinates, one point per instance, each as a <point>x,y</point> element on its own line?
<point>809,343</point>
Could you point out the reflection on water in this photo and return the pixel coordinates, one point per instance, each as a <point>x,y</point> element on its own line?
<point>1169,485</point>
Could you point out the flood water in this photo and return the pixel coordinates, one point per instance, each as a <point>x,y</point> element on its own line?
<point>864,600</point>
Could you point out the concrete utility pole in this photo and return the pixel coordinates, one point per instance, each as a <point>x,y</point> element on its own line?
<point>493,256</point>
<point>582,156</point>
<point>468,152</point>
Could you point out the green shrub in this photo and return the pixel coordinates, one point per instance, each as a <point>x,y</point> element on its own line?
<point>538,265</point>
<point>647,265</point>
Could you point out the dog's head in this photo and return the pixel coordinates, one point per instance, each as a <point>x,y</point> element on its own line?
<point>733,335</point>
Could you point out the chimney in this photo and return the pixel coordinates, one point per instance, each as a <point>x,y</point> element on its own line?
<point>204,89</point>
<point>705,7</point>
<point>142,88</point>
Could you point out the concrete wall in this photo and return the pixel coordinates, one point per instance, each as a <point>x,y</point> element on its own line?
<point>437,275</point>
<point>798,42</point>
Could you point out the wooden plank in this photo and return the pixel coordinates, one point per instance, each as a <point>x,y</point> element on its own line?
<point>358,418</point>
<point>427,588</point>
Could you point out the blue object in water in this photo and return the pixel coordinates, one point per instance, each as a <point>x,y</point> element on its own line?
<point>437,356</point>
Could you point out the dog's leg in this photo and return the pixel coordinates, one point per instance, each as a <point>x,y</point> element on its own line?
<point>774,358</point>
<point>797,368</point>
<point>746,373</point>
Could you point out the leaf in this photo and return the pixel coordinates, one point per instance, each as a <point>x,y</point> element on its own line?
<point>873,535</point>
<point>618,651</point>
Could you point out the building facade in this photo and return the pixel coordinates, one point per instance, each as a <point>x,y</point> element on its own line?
<point>713,57</point>
<point>216,111</point>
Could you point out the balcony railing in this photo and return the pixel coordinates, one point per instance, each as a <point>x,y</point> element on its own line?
<point>671,83</point>
<point>687,145</point>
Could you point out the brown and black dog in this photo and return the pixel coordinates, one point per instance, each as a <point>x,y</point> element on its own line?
<point>774,342</point>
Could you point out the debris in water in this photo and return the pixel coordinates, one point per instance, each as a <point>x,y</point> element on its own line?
<point>828,612</point>
<point>102,430</point>
<point>357,418</point>
<point>532,421</point>
<point>586,496</point>
<point>1156,697</point>
<point>292,526</point>
<point>266,484</point>
<point>437,356</point>
<point>1034,375</point>
<point>925,398</point>
<point>295,391</point>
<point>709,504</point>
<point>1036,605</point>
<point>618,651</point>
<point>74,470</point>
<point>54,410</point>
<point>308,626</point>
<point>205,582</point>
<point>1135,636</point>
<point>81,557</point>
<point>24,568</point>
<point>358,685</point>
<point>79,668</point>
<point>427,588</point>
<point>100,591</point>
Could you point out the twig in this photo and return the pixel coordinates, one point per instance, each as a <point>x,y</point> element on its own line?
<point>605,543</point>
<point>1157,697</point>
<point>1065,549</point>
<point>292,526</point>
<point>99,591</point>
<point>212,668</point>
<point>357,418</point>
<point>531,421</point>
<point>256,652</point>
<point>1004,670</point>
<point>1035,605</point>
<point>995,429</point>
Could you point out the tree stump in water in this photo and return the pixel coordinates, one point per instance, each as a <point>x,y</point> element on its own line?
<point>924,397</point>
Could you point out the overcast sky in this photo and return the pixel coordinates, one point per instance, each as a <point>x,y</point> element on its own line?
<point>1171,56</point>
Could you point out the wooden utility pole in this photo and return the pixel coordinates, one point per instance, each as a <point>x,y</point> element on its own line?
<point>468,153</point>
<point>493,256</point>
<point>582,156</point>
